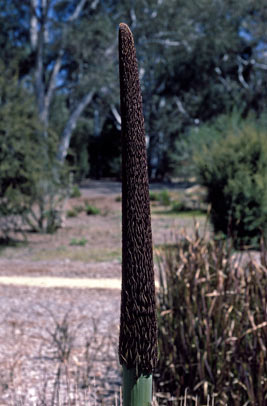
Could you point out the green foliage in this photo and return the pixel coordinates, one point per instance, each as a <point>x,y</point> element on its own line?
<point>197,61</point>
<point>163,197</point>
<point>78,154</point>
<point>198,138</point>
<point>72,213</point>
<point>212,323</point>
<point>184,89</point>
<point>31,182</point>
<point>78,242</point>
<point>234,170</point>
<point>91,210</point>
<point>75,192</point>
<point>179,206</point>
<point>118,198</point>
<point>79,208</point>
<point>153,196</point>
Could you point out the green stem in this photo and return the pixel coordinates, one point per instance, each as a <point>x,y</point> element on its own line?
<point>136,391</point>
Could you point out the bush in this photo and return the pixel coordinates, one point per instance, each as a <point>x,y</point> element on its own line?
<point>32,186</point>
<point>32,192</point>
<point>78,242</point>
<point>212,323</point>
<point>78,156</point>
<point>153,196</point>
<point>162,197</point>
<point>72,213</point>
<point>75,192</point>
<point>234,170</point>
<point>118,198</point>
<point>91,210</point>
<point>179,206</point>
<point>198,138</point>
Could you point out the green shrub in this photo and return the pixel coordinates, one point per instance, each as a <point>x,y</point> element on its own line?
<point>79,208</point>
<point>75,192</point>
<point>196,139</point>
<point>212,324</point>
<point>234,170</point>
<point>164,198</point>
<point>78,242</point>
<point>153,196</point>
<point>178,207</point>
<point>78,156</point>
<point>91,210</point>
<point>32,183</point>
<point>72,213</point>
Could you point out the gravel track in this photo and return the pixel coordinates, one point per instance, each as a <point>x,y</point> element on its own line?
<point>32,319</point>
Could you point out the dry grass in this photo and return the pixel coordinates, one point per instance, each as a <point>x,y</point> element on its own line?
<point>213,323</point>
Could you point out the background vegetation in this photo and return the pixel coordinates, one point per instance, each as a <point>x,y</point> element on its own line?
<point>235,173</point>
<point>198,61</point>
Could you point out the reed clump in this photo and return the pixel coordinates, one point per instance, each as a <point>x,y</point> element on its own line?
<point>213,322</point>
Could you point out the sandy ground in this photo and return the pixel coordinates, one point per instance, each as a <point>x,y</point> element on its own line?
<point>54,282</point>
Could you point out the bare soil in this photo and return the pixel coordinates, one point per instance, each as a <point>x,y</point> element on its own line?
<point>36,322</point>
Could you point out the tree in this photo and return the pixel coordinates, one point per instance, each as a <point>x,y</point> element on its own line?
<point>61,54</point>
<point>197,61</point>
<point>29,194</point>
<point>57,32</point>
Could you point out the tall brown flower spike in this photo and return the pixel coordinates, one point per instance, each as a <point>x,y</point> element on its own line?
<point>138,327</point>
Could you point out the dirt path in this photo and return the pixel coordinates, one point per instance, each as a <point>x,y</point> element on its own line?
<point>54,282</point>
<point>41,326</point>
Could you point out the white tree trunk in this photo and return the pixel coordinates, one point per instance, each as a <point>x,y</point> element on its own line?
<point>45,92</point>
<point>33,25</point>
<point>70,126</point>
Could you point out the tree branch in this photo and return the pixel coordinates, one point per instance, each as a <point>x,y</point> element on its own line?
<point>71,125</point>
<point>77,11</point>
<point>260,65</point>
<point>241,77</point>
<point>181,108</point>
<point>39,68</point>
<point>33,25</point>
<point>166,42</point>
<point>56,68</point>
<point>116,115</point>
<point>52,81</point>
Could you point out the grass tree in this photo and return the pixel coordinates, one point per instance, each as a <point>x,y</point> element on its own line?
<point>138,326</point>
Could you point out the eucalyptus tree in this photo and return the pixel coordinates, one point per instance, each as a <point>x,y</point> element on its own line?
<point>68,38</point>
<point>197,61</point>
<point>60,47</point>
<point>55,47</point>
